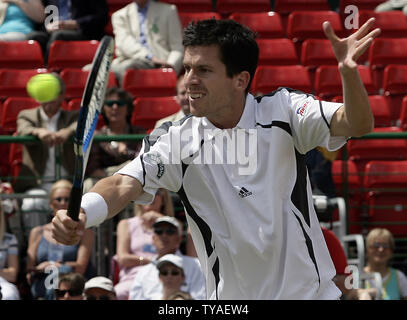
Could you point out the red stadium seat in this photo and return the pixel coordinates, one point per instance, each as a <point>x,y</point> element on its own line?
<point>75,82</point>
<point>302,25</point>
<point>395,87</point>
<point>15,159</point>
<point>393,24</point>
<point>269,78</point>
<point>114,5</point>
<point>192,5</point>
<point>286,6</point>
<point>277,52</point>
<point>386,182</point>
<point>328,81</point>
<point>383,52</point>
<point>148,110</point>
<point>13,82</point>
<point>71,54</point>
<point>317,52</point>
<point>11,108</point>
<point>187,17</point>
<point>226,7</point>
<point>403,115</point>
<point>266,24</point>
<point>150,82</point>
<point>21,55</point>
<point>364,150</point>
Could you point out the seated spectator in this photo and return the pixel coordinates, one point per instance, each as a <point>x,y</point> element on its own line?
<point>171,275</point>
<point>8,262</point>
<point>182,99</point>
<point>135,246</point>
<point>18,18</point>
<point>392,5</point>
<point>76,20</point>
<point>108,157</point>
<point>43,251</point>
<point>99,288</point>
<point>47,161</point>
<point>380,248</point>
<point>148,34</point>
<point>70,287</point>
<point>167,239</point>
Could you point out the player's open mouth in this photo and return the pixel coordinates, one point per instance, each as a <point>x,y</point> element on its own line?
<point>195,96</point>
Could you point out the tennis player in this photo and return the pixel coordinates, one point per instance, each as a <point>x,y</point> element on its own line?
<point>252,220</point>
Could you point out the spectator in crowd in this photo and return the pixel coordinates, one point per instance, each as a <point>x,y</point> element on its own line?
<point>8,262</point>
<point>380,247</point>
<point>108,157</point>
<point>44,252</point>
<point>70,287</point>
<point>392,5</point>
<point>72,20</point>
<point>44,163</point>
<point>18,18</point>
<point>135,246</point>
<point>171,275</point>
<point>182,99</point>
<point>319,162</point>
<point>167,238</point>
<point>100,288</point>
<point>148,34</point>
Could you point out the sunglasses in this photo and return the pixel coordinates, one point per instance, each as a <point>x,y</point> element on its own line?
<point>60,199</point>
<point>110,103</point>
<point>61,293</point>
<point>168,231</point>
<point>378,245</point>
<point>97,297</point>
<point>174,273</point>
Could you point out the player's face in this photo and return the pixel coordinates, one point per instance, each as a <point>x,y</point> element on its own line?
<point>182,97</point>
<point>210,91</point>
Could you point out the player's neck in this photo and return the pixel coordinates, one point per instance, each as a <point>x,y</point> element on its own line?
<point>230,116</point>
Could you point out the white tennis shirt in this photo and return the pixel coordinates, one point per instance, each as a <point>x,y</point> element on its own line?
<point>252,220</point>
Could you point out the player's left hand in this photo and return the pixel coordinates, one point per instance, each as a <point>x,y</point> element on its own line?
<point>348,50</point>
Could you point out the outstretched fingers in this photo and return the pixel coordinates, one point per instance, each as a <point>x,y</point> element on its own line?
<point>329,32</point>
<point>364,29</point>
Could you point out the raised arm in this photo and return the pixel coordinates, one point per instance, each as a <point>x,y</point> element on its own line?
<point>355,118</point>
<point>114,192</point>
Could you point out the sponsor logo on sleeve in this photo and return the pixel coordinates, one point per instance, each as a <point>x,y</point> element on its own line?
<point>303,109</point>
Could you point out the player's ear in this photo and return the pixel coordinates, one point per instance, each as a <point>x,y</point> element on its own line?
<point>242,80</point>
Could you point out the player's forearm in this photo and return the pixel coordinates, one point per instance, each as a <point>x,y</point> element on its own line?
<point>117,191</point>
<point>358,114</point>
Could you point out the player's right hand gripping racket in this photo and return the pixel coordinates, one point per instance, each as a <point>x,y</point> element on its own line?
<point>91,106</point>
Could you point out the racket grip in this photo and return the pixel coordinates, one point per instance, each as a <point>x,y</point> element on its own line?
<point>74,205</point>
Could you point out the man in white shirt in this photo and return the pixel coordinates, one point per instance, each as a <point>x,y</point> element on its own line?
<point>167,239</point>
<point>248,200</point>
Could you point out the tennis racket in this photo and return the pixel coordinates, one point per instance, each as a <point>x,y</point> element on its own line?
<point>91,106</point>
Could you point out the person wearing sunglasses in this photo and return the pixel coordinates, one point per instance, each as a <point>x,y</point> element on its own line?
<point>171,275</point>
<point>100,288</point>
<point>380,247</point>
<point>109,156</point>
<point>43,251</point>
<point>70,287</point>
<point>167,238</point>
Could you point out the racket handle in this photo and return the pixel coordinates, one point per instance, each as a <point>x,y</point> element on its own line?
<point>74,205</point>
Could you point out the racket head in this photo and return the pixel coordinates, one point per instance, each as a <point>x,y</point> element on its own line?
<point>91,106</point>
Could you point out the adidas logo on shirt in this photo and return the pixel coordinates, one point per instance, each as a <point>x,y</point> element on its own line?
<point>244,192</point>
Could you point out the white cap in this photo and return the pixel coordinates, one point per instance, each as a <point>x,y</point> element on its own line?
<point>169,258</point>
<point>100,282</point>
<point>168,219</point>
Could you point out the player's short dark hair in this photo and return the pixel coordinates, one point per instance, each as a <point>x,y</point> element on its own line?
<point>123,95</point>
<point>238,47</point>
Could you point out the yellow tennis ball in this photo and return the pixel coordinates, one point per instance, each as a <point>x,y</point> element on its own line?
<point>44,87</point>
